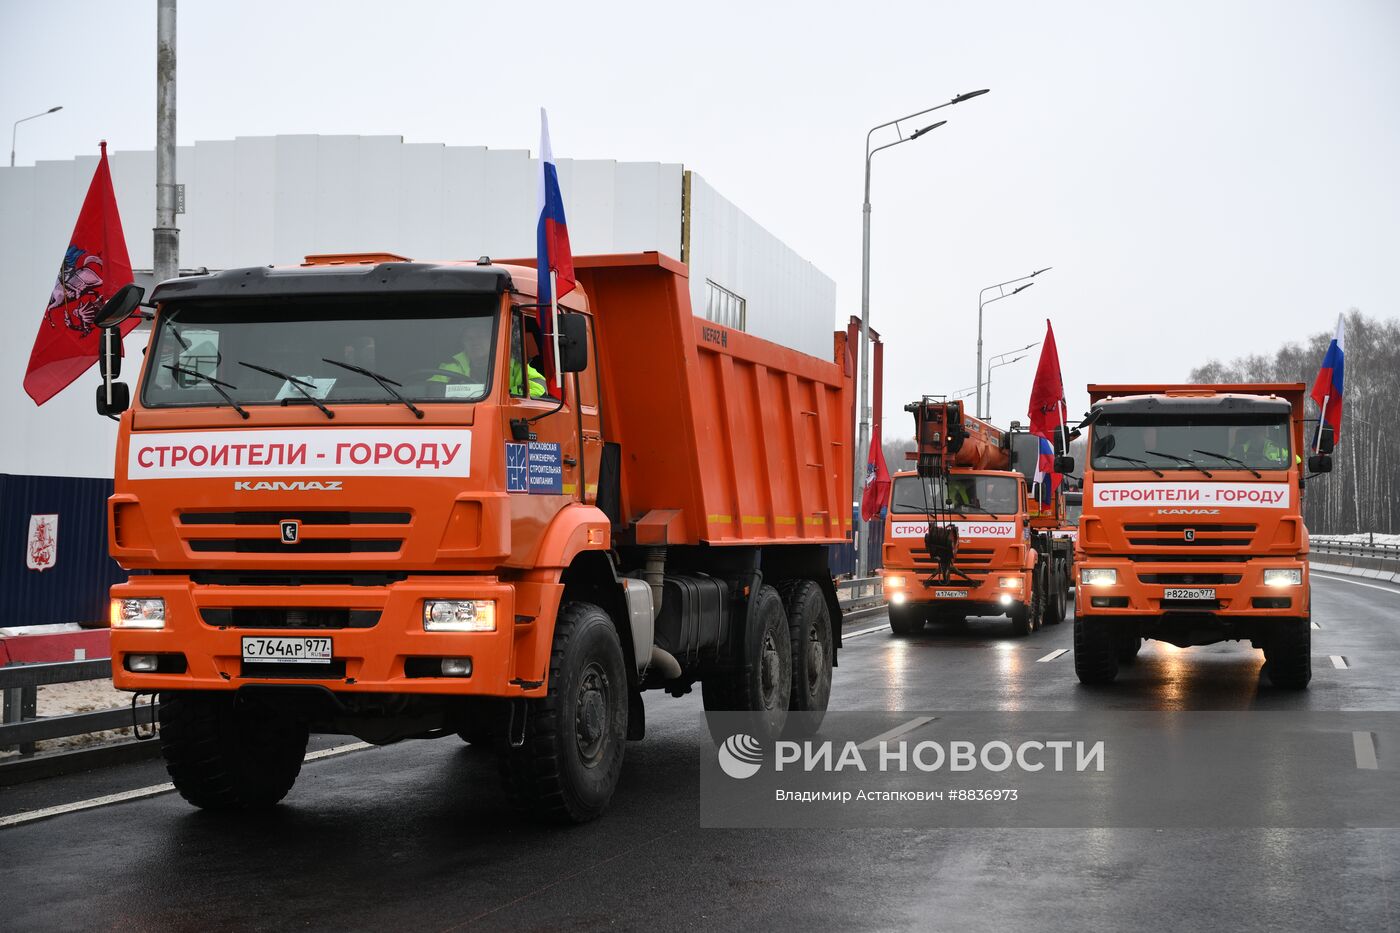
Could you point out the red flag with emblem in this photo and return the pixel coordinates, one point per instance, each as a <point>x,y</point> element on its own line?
<point>876,494</point>
<point>94,266</point>
<point>1048,391</point>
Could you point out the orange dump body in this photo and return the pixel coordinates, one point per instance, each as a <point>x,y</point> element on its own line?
<point>1189,552</point>
<point>724,439</point>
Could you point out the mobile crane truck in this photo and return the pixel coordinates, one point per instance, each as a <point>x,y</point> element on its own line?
<point>958,537</point>
<point>1192,531</point>
<point>351,507</point>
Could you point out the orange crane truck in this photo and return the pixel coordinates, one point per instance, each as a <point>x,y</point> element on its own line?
<point>1192,530</point>
<point>352,504</point>
<point>959,539</point>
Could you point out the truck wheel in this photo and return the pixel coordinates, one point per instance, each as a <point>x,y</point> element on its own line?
<point>1057,605</point>
<point>575,735</point>
<point>1020,616</point>
<point>1129,647</point>
<point>906,620</point>
<point>1288,654</point>
<point>810,627</point>
<point>223,755</point>
<point>763,683</point>
<point>1095,652</point>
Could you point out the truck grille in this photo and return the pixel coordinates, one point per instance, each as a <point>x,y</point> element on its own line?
<point>971,561</point>
<point>1191,579</point>
<point>271,519</point>
<point>292,617</point>
<point>1203,535</point>
<point>306,546</point>
<point>258,531</point>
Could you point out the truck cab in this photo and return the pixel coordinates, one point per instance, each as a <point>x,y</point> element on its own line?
<point>1192,529</point>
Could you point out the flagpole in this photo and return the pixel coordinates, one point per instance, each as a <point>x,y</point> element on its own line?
<point>554,327</point>
<point>1321,420</point>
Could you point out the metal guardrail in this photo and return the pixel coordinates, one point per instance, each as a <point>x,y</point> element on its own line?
<point>866,597</point>
<point>20,683</point>
<point>1356,548</point>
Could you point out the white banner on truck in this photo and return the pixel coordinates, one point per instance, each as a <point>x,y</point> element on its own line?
<point>299,452</point>
<point>1213,495</point>
<point>991,529</point>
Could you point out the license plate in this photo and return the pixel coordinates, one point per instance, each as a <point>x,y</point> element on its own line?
<point>287,650</point>
<point>1189,592</point>
<point>949,594</point>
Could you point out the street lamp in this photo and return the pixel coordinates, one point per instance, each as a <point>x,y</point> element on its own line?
<point>14,131</point>
<point>858,474</point>
<point>992,363</point>
<point>982,302</point>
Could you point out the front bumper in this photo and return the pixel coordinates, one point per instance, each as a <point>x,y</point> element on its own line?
<point>1140,590</point>
<point>982,598</point>
<point>505,662</point>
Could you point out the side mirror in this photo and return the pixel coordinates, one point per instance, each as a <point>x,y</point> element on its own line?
<point>1327,440</point>
<point>1064,435</point>
<point>113,398</point>
<point>120,306</point>
<point>1320,463</point>
<point>573,343</point>
<point>1064,464</point>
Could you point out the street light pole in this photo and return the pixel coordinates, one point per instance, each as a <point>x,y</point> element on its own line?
<point>166,245</point>
<point>863,443</point>
<point>982,302</point>
<point>14,130</point>
<point>992,363</point>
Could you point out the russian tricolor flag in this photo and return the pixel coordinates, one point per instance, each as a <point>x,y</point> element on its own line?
<point>1327,390</point>
<point>552,251</point>
<point>1046,479</point>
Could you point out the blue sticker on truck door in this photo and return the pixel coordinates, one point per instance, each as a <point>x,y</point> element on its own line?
<point>517,468</point>
<point>535,468</point>
<point>546,470</point>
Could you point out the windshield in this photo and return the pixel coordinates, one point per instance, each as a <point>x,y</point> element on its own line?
<point>1212,442</point>
<point>1074,507</point>
<point>958,493</point>
<point>275,351</point>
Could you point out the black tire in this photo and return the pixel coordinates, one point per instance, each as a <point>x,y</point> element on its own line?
<point>1288,654</point>
<point>762,684</point>
<point>1129,644</point>
<point>1095,651</point>
<point>906,621</point>
<point>1039,604</point>
<point>1057,606</point>
<point>576,734</point>
<point>1020,616</point>
<point>224,755</point>
<point>809,622</point>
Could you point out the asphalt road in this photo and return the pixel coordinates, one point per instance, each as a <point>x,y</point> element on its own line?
<point>417,835</point>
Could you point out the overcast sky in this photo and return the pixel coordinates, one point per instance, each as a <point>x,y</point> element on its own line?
<point>1206,178</point>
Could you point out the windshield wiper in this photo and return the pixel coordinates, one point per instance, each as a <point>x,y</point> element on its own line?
<point>1133,460</point>
<point>1227,459</point>
<point>385,383</point>
<point>301,385</point>
<point>217,385</point>
<point>1186,460</point>
<point>170,326</point>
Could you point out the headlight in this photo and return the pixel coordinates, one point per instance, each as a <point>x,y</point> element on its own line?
<point>138,613</point>
<point>1283,576</point>
<point>894,581</point>
<point>1098,576</point>
<point>1009,583</point>
<point>897,599</point>
<point>459,615</point>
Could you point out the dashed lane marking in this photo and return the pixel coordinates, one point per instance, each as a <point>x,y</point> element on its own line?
<point>1364,745</point>
<point>868,631</point>
<point>1053,655</point>
<point>896,732</point>
<point>140,792</point>
<point>1339,662</point>
<point>1316,627</point>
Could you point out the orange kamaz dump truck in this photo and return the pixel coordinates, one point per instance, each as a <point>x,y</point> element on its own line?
<point>350,507</point>
<point>959,537</point>
<point>1192,530</point>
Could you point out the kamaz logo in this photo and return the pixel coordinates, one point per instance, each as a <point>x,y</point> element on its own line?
<point>1188,511</point>
<point>283,486</point>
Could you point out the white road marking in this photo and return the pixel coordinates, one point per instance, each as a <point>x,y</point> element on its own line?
<point>1374,586</point>
<point>1316,627</point>
<point>868,631</point>
<point>1339,662</point>
<point>1052,655</point>
<point>1364,744</point>
<point>896,732</point>
<point>140,792</point>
